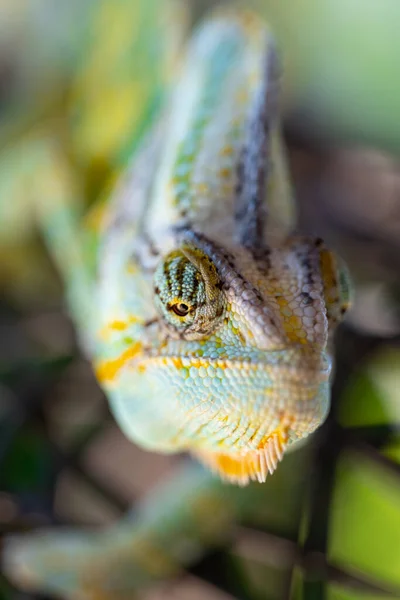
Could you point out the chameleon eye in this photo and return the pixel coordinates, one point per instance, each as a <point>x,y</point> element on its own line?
<point>188,293</point>
<point>181,309</point>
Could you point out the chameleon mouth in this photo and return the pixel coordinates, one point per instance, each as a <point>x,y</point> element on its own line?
<point>246,466</point>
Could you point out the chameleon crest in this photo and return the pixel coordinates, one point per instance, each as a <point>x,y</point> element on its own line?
<point>214,316</point>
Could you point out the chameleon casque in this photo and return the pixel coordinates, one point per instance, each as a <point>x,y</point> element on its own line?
<point>207,317</point>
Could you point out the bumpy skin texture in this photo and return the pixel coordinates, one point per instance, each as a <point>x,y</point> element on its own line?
<point>214,318</point>
<point>208,319</point>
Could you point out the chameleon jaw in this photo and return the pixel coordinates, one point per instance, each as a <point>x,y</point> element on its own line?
<point>246,466</point>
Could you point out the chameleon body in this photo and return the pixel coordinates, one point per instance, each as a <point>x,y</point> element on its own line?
<point>213,324</point>
<point>207,317</point>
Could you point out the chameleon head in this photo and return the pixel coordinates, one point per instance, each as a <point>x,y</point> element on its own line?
<point>235,367</point>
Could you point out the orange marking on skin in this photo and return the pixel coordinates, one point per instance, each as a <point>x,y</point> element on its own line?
<point>294,321</point>
<point>242,467</point>
<point>227,150</point>
<point>224,172</point>
<point>281,432</point>
<point>281,301</point>
<point>108,369</point>
<point>177,362</point>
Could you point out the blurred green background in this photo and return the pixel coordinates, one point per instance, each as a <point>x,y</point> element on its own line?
<point>331,525</point>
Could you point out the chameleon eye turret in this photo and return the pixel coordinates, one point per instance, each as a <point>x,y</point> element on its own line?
<point>181,309</point>
<point>188,293</point>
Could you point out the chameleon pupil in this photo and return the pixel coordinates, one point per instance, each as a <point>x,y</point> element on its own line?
<point>180,309</point>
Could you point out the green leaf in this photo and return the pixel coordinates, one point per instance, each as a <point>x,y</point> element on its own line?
<point>365,519</point>
<point>372,396</point>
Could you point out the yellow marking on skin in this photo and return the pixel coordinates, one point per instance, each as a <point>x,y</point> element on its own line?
<point>108,369</point>
<point>224,173</point>
<point>294,322</point>
<point>177,362</point>
<point>294,327</point>
<point>281,301</point>
<point>104,334</point>
<point>195,362</point>
<point>227,150</point>
<point>117,325</point>
<point>132,268</point>
<point>239,334</point>
<point>202,188</point>
<point>281,432</point>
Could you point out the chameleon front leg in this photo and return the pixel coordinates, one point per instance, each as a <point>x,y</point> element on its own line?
<point>167,532</point>
<point>38,182</point>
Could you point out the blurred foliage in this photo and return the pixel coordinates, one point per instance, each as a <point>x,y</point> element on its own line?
<point>341,66</point>
<point>365,518</point>
<point>341,91</point>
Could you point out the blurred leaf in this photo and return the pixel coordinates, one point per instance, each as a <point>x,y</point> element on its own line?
<point>336,592</point>
<point>296,584</point>
<point>392,451</point>
<point>28,462</point>
<point>373,396</point>
<point>361,404</point>
<point>342,63</point>
<point>265,581</point>
<point>365,521</point>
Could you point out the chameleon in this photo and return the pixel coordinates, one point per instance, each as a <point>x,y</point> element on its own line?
<point>207,316</point>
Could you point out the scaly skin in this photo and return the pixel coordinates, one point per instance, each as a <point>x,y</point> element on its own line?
<point>209,318</point>
<point>218,321</point>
